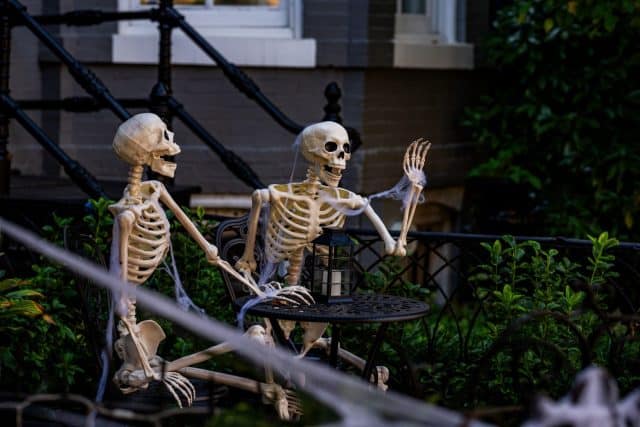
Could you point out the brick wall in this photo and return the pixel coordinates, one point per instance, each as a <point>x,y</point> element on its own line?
<point>389,106</point>
<point>401,105</point>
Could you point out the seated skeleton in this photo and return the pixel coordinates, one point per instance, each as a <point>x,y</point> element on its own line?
<point>297,213</point>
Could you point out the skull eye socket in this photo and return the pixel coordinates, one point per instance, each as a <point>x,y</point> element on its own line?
<point>166,135</point>
<point>331,146</point>
<point>347,148</point>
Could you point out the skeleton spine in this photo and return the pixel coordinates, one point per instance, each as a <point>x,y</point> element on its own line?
<point>134,180</point>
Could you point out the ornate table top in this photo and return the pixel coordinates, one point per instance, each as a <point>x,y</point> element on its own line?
<point>364,308</point>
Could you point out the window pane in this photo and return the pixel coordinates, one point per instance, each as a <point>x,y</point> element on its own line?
<point>414,6</point>
<point>272,3</point>
<point>175,2</point>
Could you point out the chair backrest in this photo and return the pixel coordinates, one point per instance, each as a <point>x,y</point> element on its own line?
<point>231,238</point>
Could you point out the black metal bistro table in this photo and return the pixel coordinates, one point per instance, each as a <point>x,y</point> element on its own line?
<point>364,308</point>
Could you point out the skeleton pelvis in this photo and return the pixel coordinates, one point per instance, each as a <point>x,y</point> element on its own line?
<point>149,335</point>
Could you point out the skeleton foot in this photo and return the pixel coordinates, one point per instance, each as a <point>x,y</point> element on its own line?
<point>383,377</point>
<point>285,401</point>
<point>178,384</point>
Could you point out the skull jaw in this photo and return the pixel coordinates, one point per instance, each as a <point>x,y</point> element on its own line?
<point>163,167</point>
<point>328,178</point>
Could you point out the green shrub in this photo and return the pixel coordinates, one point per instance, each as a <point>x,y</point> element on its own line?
<point>60,355</point>
<point>563,113</point>
<point>533,318</point>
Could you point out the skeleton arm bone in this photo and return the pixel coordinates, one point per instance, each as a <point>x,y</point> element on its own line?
<point>247,264</point>
<point>210,250</point>
<point>389,243</point>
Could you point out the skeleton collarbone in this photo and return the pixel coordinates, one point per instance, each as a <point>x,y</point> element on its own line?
<point>298,215</point>
<point>149,239</point>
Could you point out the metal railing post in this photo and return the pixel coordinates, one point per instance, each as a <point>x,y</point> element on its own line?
<point>5,65</point>
<point>332,110</point>
<point>162,89</point>
<point>78,174</point>
<point>85,77</point>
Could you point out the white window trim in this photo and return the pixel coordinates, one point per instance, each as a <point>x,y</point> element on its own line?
<point>430,40</point>
<point>277,44</point>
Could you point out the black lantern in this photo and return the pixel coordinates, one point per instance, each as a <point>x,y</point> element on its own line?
<point>330,269</point>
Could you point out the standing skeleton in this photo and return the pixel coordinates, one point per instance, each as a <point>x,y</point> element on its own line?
<point>299,211</point>
<point>142,240</point>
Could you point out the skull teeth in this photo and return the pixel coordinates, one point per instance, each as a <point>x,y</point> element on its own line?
<point>334,171</point>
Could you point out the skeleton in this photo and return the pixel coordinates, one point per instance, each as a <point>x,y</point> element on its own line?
<point>143,241</point>
<point>592,402</point>
<point>299,211</point>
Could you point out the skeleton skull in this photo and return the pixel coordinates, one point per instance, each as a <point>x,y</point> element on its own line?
<point>326,145</point>
<point>143,140</point>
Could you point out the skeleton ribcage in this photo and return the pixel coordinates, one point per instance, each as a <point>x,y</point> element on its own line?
<point>148,243</point>
<point>290,227</point>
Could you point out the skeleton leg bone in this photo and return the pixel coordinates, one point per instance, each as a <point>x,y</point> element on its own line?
<point>356,361</point>
<point>255,332</point>
<point>285,401</point>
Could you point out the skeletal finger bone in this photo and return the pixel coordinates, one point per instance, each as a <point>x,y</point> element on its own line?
<point>177,383</point>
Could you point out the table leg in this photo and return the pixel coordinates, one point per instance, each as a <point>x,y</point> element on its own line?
<point>335,344</point>
<point>373,351</point>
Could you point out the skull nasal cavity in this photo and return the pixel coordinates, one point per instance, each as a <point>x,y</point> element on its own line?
<point>330,146</point>
<point>341,155</point>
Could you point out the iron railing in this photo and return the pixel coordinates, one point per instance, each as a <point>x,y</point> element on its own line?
<point>160,101</point>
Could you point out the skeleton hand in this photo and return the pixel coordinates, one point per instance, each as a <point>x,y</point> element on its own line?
<point>414,159</point>
<point>289,295</point>
<point>246,265</point>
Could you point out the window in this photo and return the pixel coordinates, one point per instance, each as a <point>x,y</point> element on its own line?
<point>430,34</point>
<point>247,32</point>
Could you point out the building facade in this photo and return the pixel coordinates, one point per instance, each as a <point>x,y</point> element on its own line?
<point>406,69</point>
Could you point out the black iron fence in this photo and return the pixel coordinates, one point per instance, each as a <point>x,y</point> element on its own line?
<point>507,319</point>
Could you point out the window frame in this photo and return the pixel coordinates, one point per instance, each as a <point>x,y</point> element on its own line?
<point>136,42</point>
<point>433,39</point>
<point>283,21</point>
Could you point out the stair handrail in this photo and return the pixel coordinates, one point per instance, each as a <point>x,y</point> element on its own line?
<point>97,89</point>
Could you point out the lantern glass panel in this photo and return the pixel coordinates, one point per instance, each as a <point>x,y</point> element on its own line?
<point>331,268</point>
